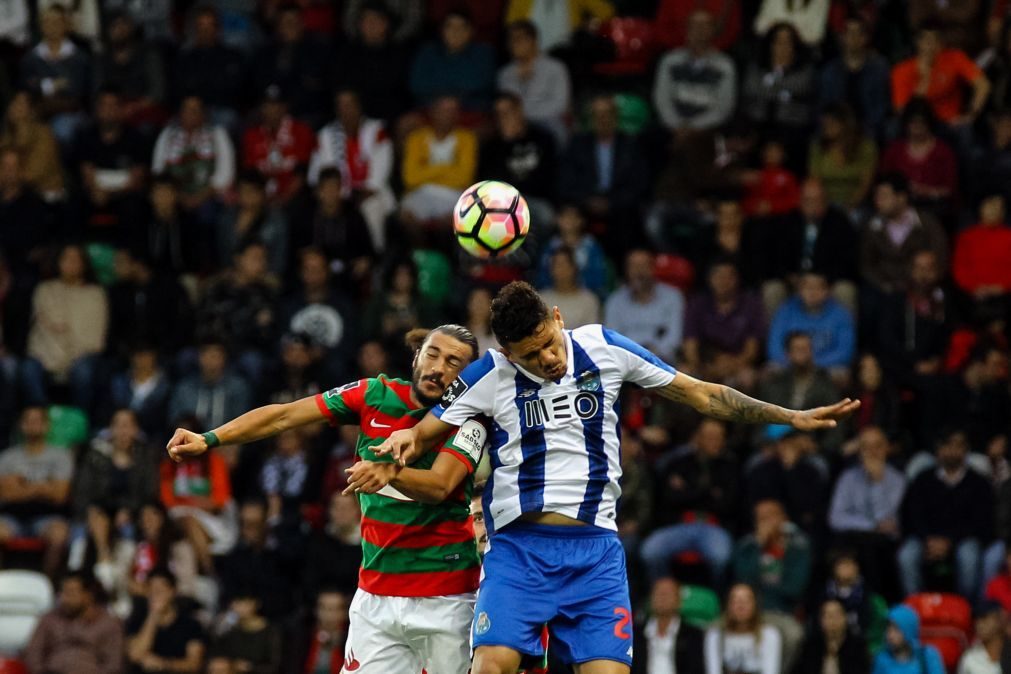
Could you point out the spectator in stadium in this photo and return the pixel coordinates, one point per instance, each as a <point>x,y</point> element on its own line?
<point>300,371</point>
<point>960,24</point>
<point>134,68</point>
<point>362,152</point>
<point>256,564</point>
<point>478,320</point>
<point>940,74</point>
<point>213,394</point>
<point>846,585</point>
<point>118,472</point>
<point>398,306</point>
<point>321,311</point>
<point>59,73</point>
<point>454,66</point>
<point>578,305</point>
<point>842,158</point>
<point>802,381</point>
<point>170,240</point>
<point>914,329</point>
<point>947,516</point>
<point>238,308</point>
<point>732,239</point>
<point>832,645</point>
<point>208,68</point>
<point>521,154</point>
<point>161,636</point>
<point>338,229</point>
<point>865,511</point>
<point>645,310</point>
<point>298,63</point>
<point>199,157</point>
<point>439,162</point>
<point>198,497</point>
<point>556,26</point>
<point>665,642</point>
<point>79,635</point>
<point>981,251</point>
<point>318,644</point>
<point>779,90</point>
<point>589,255</point>
<point>252,644</point>
<point>817,238</point>
<point>976,399</point>
<point>69,324</point>
<point>858,77</point>
<point>773,189</point>
<point>742,641</point>
<point>380,64</point>
<point>334,553</point>
<point>775,560</point>
<point>697,489</point>
<point>283,480</point>
<point>279,147</point>
<point>829,325</point>
<point>791,474</point>
<point>160,545</point>
<point>992,650</point>
<point>138,302</point>
<point>927,162</point>
<point>409,17</point>
<point>23,242</point>
<point>903,648</point>
<point>540,82</point>
<point>724,327</point>
<point>143,389</point>
<point>153,19</point>
<point>113,160</point>
<point>253,219</point>
<point>673,18</point>
<point>104,551</point>
<point>637,498</point>
<point>695,87</point>
<point>35,487</point>
<point>603,171</point>
<point>878,396</point>
<point>895,234</point>
<point>809,19</point>
<point>22,130</point>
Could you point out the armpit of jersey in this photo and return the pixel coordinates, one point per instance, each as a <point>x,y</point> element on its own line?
<point>470,440</point>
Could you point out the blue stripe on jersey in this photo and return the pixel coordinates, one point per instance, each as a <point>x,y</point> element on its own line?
<point>584,369</point>
<point>622,342</point>
<point>470,376</point>
<point>531,473</point>
<point>497,437</point>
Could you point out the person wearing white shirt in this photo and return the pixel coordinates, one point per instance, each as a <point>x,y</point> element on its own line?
<point>991,654</point>
<point>579,306</point>
<point>666,644</point>
<point>542,82</point>
<point>741,643</point>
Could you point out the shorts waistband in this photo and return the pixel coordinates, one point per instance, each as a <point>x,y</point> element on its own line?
<point>556,530</point>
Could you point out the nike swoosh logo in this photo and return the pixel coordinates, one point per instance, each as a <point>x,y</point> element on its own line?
<point>378,425</point>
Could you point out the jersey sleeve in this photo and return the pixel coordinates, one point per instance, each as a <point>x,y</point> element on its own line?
<point>468,443</point>
<point>638,365</point>
<point>343,405</point>
<point>471,395</point>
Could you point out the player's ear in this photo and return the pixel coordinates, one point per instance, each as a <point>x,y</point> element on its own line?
<point>557,315</point>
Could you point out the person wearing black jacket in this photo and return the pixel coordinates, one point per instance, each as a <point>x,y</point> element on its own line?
<point>832,641</point>
<point>664,636</point>
<point>947,516</point>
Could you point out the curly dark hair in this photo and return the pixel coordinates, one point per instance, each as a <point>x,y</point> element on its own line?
<point>516,312</point>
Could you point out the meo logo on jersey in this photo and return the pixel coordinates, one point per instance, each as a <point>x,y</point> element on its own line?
<point>455,390</point>
<point>584,405</point>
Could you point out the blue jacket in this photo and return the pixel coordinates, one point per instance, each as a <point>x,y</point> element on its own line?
<point>873,90</point>
<point>832,331</point>
<point>924,660</point>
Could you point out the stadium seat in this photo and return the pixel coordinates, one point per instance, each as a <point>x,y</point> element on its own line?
<point>635,46</point>
<point>102,257</point>
<point>8,666</point>
<point>675,270</point>
<point>945,623</point>
<point>699,605</point>
<point>68,426</point>
<point>877,622</point>
<point>24,596</point>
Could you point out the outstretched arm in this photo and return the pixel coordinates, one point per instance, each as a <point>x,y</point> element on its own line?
<point>263,422</point>
<point>723,402</point>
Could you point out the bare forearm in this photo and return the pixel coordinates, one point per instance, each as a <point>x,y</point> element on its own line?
<point>430,431</point>
<point>723,402</point>
<point>425,486</point>
<point>267,421</point>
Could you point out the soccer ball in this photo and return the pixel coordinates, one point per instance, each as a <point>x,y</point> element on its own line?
<point>491,219</point>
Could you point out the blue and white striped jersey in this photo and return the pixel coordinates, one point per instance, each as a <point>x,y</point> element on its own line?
<point>554,445</point>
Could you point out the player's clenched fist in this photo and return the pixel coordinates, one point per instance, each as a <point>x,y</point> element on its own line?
<point>402,445</point>
<point>186,443</point>
<point>368,477</point>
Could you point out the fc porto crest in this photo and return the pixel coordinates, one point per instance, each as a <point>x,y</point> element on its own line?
<point>483,624</point>
<point>588,381</point>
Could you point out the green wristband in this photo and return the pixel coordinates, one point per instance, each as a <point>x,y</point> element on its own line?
<point>211,439</point>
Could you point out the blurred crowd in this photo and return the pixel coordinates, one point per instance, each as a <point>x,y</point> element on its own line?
<point>209,206</point>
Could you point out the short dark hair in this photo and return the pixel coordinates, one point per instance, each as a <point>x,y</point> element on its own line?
<point>460,13</point>
<point>329,173</point>
<point>165,574</point>
<point>516,312</point>
<point>565,252</point>
<point>792,335</point>
<point>898,182</point>
<point>524,26</point>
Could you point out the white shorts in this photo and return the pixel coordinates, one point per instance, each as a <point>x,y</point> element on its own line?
<point>403,635</point>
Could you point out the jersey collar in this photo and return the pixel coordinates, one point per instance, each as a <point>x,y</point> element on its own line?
<point>570,366</point>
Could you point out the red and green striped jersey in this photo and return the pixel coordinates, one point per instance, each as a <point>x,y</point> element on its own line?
<point>409,549</point>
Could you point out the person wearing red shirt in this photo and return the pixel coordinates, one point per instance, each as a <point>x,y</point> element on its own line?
<point>940,75</point>
<point>672,19</point>
<point>982,261</point>
<point>773,190</point>
<point>279,147</point>
<point>926,161</point>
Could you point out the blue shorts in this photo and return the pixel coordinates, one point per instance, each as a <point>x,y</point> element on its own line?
<point>572,578</point>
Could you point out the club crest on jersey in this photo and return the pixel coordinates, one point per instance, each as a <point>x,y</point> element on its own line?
<point>588,381</point>
<point>333,393</point>
<point>483,624</point>
<point>455,390</point>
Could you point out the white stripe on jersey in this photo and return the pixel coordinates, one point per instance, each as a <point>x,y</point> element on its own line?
<point>554,446</point>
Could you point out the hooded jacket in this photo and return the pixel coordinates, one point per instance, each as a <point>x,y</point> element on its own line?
<point>924,659</point>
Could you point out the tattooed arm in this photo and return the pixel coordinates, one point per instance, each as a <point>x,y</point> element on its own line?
<point>723,402</point>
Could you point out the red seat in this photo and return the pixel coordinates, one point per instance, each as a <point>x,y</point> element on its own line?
<point>25,545</point>
<point>12,667</point>
<point>675,270</point>
<point>635,46</point>
<point>945,623</point>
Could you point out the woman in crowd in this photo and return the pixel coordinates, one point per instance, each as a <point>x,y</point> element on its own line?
<point>831,647</point>
<point>741,643</point>
<point>843,158</point>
